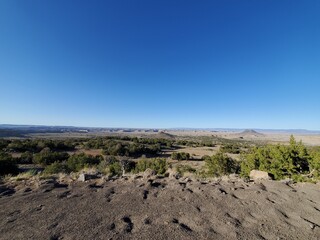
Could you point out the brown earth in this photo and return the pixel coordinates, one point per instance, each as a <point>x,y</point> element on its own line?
<point>164,208</point>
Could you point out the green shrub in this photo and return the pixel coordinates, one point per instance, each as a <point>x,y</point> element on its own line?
<point>231,148</point>
<point>205,157</point>
<point>159,165</point>
<point>56,167</point>
<point>26,158</point>
<point>282,161</point>
<point>315,164</point>
<point>115,169</point>
<point>221,164</point>
<point>180,156</point>
<point>77,162</point>
<point>46,157</point>
<point>182,169</point>
<point>7,164</point>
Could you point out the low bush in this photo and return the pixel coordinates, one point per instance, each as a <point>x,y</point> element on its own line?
<point>25,175</point>
<point>78,161</point>
<point>115,169</point>
<point>46,157</point>
<point>7,164</point>
<point>282,161</point>
<point>26,158</point>
<point>180,156</point>
<point>159,165</point>
<point>221,164</point>
<point>182,169</point>
<point>315,164</point>
<point>231,148</point>
<point>56,167</point>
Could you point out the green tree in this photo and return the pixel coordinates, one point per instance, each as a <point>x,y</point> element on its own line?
<point>159,165</point>
<point>46,157</point>
<point>77,162</point>
<point>221,164</point>
<point>281,161</point>
<point>7,164</point>
<point>56,167</point>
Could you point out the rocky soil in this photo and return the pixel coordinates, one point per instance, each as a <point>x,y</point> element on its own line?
<point>159,208</point>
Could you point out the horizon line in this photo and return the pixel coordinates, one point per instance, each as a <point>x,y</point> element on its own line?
<point>164,128</point>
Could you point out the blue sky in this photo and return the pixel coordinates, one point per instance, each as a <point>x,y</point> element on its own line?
<point>205,64</point>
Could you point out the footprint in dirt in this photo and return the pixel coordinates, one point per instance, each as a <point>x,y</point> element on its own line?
<point>182,226</point>
<point>55,237</point>
<point>13,216</point>
<point>145,194</point>
<point>5,191</point>
<point>38,208</point>
<point>221,190</point>
<point>128,224</point>
<point>147,221</point>
<point>198,209</point>
<point>63,194</point>
<point>111,227</point>
<point>109,194</point>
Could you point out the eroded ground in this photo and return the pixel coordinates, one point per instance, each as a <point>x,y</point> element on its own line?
<point>160,208</point>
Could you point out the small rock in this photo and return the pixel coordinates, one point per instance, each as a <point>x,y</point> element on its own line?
<point>175,220</point>
<point>84,177</point>
<point>111,226</point>
<point>147,221</point>
<point>259,175</point>
<point>287,181</point>
<point>148,173</point>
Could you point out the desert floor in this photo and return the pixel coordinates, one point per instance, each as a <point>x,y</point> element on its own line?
<point>160,208</point>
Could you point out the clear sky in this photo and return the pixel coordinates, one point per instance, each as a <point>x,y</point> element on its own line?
<point>205,64</point>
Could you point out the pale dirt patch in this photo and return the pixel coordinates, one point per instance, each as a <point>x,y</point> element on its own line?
<point>196,152</point>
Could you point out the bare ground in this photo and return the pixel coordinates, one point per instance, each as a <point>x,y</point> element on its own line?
<point>165,208</point>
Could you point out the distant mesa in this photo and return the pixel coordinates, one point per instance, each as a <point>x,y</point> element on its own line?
<point>249,133</point>
<point>162,134</point>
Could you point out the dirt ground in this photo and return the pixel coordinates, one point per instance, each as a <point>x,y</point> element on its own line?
<point>164,208</point>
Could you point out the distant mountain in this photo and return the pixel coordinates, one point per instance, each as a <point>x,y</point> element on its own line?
<point>14,130</point>
<point>164,135</point>
<point>249,133</point>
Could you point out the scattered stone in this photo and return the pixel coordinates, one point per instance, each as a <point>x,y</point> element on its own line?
<point>111,227</point>
<point>85,177</point>
<point>135,177</point>
<point>27,190</point>
<point>259,175</point>
<point>173,174</point>
<point>147,221</point>
<point>148,173</point>
<point>63,194</point>
<point>287,181</point>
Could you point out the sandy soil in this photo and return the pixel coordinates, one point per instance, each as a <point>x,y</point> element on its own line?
<point>160,209</point>
<point>195,152</point>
